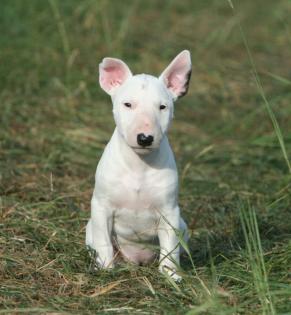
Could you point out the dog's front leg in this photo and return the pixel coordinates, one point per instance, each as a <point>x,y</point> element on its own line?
<point>101,233</point>
<point>169,243</point>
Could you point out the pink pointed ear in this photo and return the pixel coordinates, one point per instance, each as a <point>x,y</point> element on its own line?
<point>112,74</point>
<point>177,75</point>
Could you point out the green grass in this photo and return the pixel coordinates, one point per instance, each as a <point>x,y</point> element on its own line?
<point>231,136</point>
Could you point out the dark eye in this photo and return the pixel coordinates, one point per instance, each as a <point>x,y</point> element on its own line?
<point>162,107</point>
<point>127,105</point>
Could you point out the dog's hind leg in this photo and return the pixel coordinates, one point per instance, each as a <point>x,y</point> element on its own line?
<point>185,233</point>
<point>89,236</point>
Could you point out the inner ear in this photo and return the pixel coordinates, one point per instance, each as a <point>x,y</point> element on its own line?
<point>177,75</point>
<point>112,74</point>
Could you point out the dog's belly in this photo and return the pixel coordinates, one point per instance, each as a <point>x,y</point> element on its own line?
<point>136,252</point>
<point>136,234</point>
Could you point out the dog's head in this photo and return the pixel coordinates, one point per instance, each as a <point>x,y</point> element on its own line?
<point>143,104</point>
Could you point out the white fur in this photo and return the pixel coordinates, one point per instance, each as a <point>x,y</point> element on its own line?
<point>135,199</point>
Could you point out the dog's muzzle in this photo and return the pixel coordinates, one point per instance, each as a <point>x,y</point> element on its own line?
<point>143,140</point>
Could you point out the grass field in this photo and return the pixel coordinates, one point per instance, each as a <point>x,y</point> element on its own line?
<point>231,137</point>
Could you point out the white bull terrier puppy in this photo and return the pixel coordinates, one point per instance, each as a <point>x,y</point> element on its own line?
<point>135,199</point>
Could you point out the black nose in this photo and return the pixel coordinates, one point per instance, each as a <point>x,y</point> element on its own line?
<point>144,140</point>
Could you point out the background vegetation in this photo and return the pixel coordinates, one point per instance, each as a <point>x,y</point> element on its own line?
<point>231,137</point>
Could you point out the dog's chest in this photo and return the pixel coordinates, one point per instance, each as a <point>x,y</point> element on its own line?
<point>136,205</point>
<point>135,192</point>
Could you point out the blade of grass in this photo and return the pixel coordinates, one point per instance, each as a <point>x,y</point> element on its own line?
<point>61,27</point>
<point>278,78</point>
<point>256,259</point>
<point>270,112</point>
<point>63,35</point>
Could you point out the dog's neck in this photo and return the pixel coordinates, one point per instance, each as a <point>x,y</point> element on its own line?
<point>140,162</point>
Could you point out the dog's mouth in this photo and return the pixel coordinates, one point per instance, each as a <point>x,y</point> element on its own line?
<point>142,150</point>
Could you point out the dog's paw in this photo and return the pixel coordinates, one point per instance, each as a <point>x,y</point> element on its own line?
<point>98,266</point>
<point>170,272</point>
<point>105,263</point>
<point>98,263</point>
